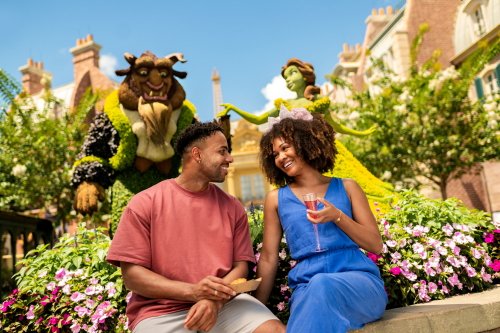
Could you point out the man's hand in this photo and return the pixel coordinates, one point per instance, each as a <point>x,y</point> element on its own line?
<point>202,316</point>
<point>87,196</point>
<point>212,288</point>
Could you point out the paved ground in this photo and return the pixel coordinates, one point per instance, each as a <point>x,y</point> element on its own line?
<point>471,313</point>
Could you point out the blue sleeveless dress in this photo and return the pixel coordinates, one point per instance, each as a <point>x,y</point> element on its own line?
<point>336,290</point>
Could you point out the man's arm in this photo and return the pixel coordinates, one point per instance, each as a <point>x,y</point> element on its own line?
<point>147,283</point>
<point>203,315</point>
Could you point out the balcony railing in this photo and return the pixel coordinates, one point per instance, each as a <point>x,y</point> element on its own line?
<point>19,235</point>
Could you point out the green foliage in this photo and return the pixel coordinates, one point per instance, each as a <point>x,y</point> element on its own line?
<point>37,150</point>
<point>9,88</point>
<point>67,287</point>
<point>434,249</point>
<point>428,128</point>
<point>125,155</point>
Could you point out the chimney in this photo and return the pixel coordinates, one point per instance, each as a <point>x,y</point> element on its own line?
<point>85,56</point>
<point>376,22</point>
<point>32,76</point>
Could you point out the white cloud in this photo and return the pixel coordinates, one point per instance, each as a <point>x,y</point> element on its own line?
<point>107,64</point>
<point>274,90</point>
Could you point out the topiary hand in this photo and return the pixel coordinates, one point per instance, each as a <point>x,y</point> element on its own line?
<point>227,107</point>
<point>87,196</point>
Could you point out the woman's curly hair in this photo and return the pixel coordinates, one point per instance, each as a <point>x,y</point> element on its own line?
<point>195,132</point>
<point>314,143</point>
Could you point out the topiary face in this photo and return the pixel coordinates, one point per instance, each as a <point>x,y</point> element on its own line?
<point>151,78</point>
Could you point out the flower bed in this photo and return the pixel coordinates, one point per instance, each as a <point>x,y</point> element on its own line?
<point>432,249</point>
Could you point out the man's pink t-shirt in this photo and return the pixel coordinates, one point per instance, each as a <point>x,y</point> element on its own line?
<point>182,235</point>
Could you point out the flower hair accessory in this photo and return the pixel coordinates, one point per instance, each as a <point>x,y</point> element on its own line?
<point>296,113</point>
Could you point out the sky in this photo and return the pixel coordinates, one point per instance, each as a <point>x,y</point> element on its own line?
<point>247,42</point>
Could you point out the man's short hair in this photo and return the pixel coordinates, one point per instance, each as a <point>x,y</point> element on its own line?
<point>195,132</point>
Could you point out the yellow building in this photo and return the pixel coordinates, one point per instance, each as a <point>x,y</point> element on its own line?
<point>246,180</point>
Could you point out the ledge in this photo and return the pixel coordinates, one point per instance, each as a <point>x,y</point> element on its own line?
<point>478,312</point>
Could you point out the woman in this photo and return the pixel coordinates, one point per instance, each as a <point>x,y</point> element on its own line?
<point>300,78</point>
<point>340,288</point>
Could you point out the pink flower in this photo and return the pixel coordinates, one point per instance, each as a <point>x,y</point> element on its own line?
<point>75,328</point>
<point>471,272</point>
<point>374,257</point>
<point>281,306</point>
<point>454,281</point>
<point>447,229</point>
<point>495,265</point>
<point>127,298</point>
<point>395,270</point>
<point>82,311</point>
<point>488,238</point>
<point>485,276</point>
<point>45,300</point>
<point>432,287</point>
<point>7,304</point>
<point>60,274</point>
<point>77,297</point>
<point>30,314</point>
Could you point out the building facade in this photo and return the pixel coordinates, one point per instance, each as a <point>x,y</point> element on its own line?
<point>86,75</point>
<point>457,28</point>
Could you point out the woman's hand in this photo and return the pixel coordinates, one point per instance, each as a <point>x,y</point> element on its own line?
<point>328,214</point>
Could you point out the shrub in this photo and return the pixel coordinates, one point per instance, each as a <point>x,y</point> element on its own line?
<point>70,288</point>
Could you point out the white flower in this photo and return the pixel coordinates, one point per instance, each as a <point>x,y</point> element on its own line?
<point>19,170</point>
<point>387,175</point>
<point>400,108</point>
<point>354,115</point>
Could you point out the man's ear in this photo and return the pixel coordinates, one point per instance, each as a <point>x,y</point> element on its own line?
<point>196,154</point>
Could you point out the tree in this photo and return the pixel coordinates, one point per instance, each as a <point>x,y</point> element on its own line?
<point>428,126</point>
<point>37,149</point>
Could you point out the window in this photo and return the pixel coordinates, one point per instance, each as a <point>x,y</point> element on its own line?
<point>490,84</point>
<point>478,21</point>
<point>252,187</point>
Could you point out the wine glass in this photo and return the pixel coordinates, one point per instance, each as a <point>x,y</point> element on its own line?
<point>311,202</point>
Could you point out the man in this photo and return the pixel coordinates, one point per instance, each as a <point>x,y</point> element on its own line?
<point>181,242</point>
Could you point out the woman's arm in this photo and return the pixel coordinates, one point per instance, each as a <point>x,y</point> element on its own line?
<point>268,261</point>
<point>250,117</point>
<point>362,228</point>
